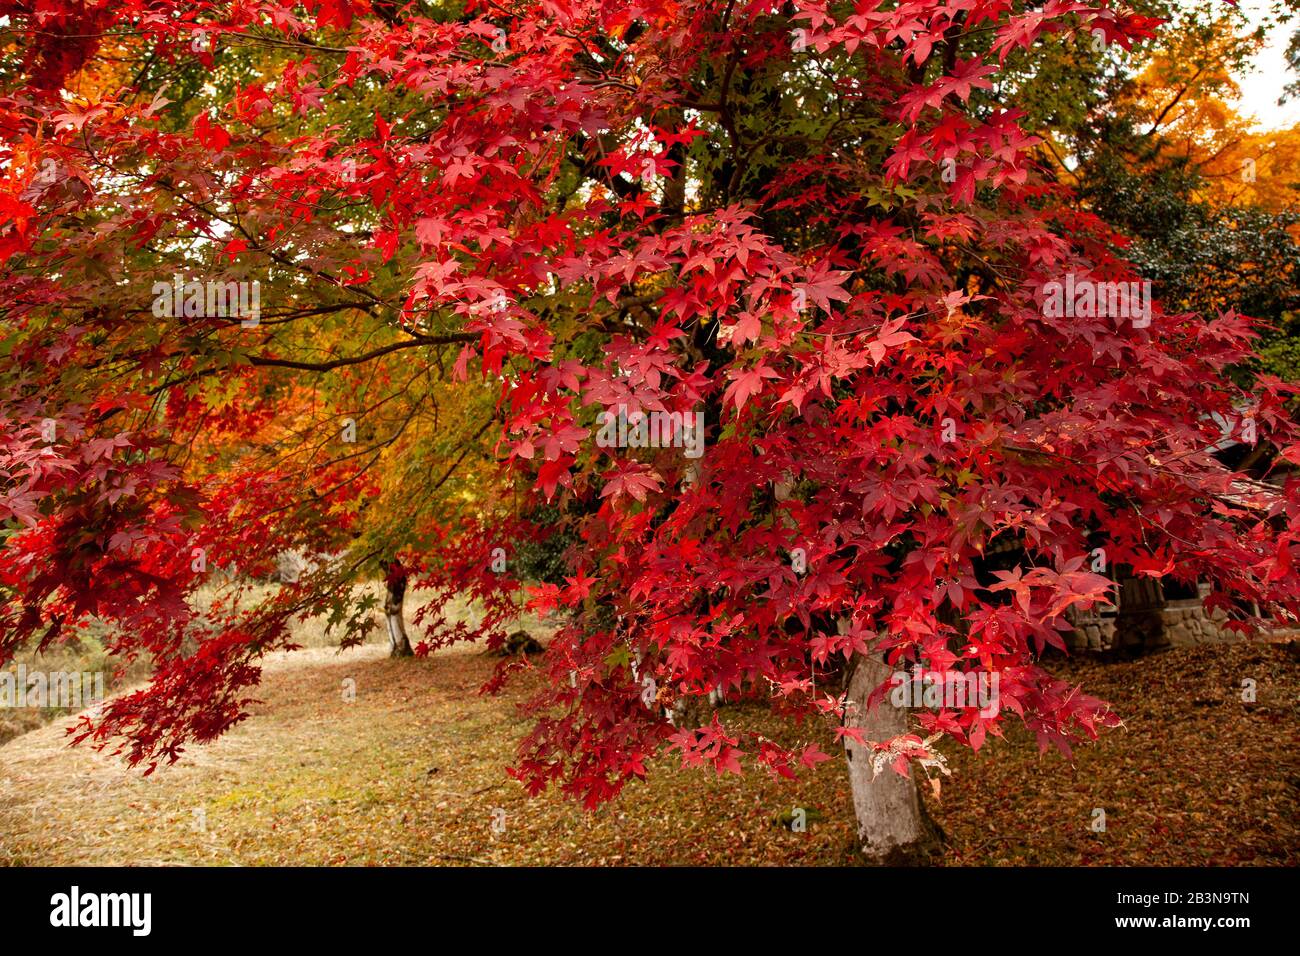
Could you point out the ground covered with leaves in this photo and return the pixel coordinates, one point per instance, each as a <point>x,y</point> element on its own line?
<point>411,771</point>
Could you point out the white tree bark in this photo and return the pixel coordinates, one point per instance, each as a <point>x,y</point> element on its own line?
<point>893,827</point>
<point>398,643</point>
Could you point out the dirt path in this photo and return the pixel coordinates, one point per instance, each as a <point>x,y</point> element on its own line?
<point>410,772</point>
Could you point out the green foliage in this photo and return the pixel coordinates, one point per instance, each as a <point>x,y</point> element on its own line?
<point>545,559</point>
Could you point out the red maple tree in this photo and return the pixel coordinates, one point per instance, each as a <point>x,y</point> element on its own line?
<point>814,224</point>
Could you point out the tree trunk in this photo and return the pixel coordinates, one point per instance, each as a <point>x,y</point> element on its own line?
<point>395,582</point>
<point>893,827</point>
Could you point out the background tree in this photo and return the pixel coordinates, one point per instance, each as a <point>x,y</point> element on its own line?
<point>1159,152</point>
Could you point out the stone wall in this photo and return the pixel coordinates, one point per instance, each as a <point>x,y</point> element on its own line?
<point>1144,621</point>
<point>1186,623</point>
<point>1093,631</point>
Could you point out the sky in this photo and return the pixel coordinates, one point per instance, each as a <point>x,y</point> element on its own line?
<point>1261,87</point>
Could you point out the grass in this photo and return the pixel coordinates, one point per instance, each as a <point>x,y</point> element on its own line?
<point>84,652</point>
